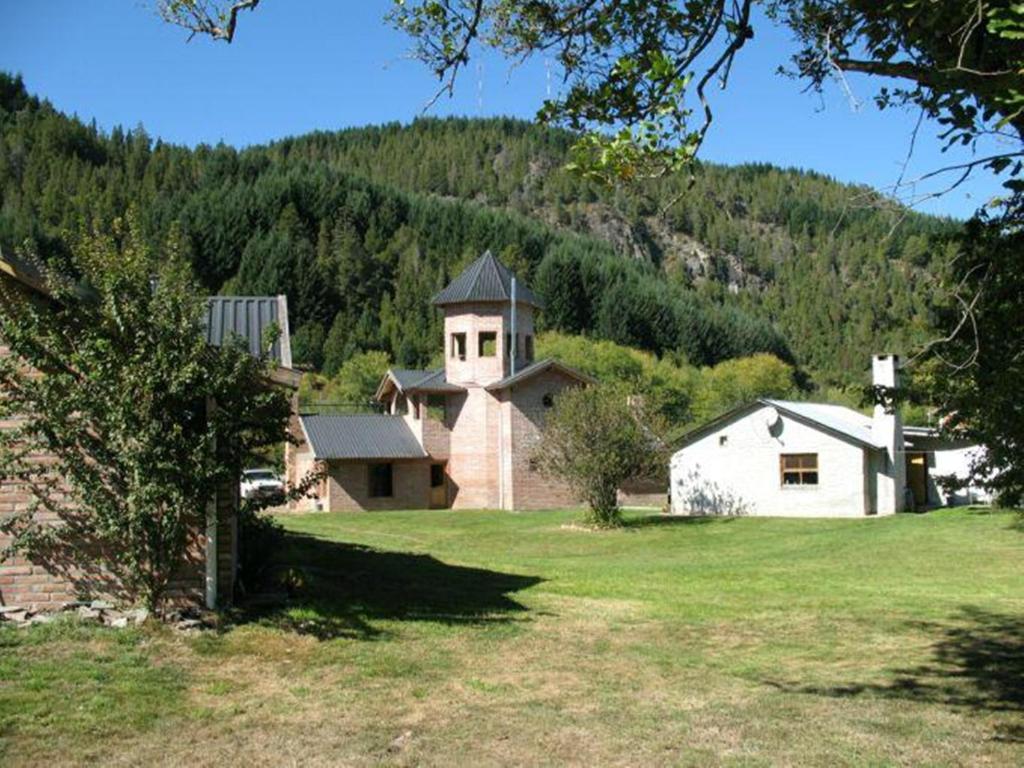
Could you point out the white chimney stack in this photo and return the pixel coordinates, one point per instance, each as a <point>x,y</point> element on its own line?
<point>887,431</point>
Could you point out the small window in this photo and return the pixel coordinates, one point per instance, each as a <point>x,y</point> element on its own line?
<point>799,469</point>
<point>487,344</point>
<point>380,481</point>
<point>723,440</point>
<point>436,475</point>
<point>459,345</point>
<point>508,345</point>
<point>548,400</point>
<point>529,349</point>
<point>415,406</point>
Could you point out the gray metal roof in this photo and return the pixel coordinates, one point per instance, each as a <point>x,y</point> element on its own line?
<point>436,380</point>
<point>486,279</point>
<point>247,318</point>
<point>837,418</point>
<point>360,436</point>
<point>539,367</point>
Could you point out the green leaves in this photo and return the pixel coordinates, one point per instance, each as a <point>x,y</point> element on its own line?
<point>595,439</point>
<point>121,407</point>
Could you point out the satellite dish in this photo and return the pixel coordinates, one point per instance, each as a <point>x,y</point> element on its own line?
<point>771,418</point>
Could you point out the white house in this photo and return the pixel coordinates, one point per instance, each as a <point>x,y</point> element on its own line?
<point>794,459</point>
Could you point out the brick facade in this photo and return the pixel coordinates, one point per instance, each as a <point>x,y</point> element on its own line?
<point>525,409</point>
<point>47,585</point>
<point>486,438</point>
<point>348,486</point>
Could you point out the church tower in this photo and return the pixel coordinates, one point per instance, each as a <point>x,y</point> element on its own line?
<point>479,343</point>
<point>478,320</point>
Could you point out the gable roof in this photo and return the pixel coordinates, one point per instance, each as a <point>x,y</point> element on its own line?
<point>486,279</point>
<point>360,436</point>
<point>836,420</point>
<point>413,380</point>
<point>539,367</point>
<point>248,318</point>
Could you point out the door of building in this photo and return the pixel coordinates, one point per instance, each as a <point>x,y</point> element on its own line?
<point>917,478</point>
<point>438,486</point>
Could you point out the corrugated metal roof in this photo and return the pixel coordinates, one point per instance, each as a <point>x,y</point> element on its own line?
<point>539,367</point>
<point>434,380</point>
<point>486,279</point>
<point>837,418</point>
<point>247,318</point>
<point>361,436</point>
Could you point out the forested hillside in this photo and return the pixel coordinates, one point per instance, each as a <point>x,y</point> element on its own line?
<point>361,227</point>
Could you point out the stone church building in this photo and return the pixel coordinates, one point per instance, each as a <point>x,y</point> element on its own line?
<point>460,436</point>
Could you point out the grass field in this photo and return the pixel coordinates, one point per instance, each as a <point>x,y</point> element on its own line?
<point>482,638</point>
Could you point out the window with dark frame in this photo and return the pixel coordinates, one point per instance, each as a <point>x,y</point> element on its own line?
<point>548,400</point>
<point>436,475</point>
<point>381,477</point>
<point>798,469</point>
<point>487,344</point>
<point>529,349</point>
<point>459,345</point>
<point>415,406</point>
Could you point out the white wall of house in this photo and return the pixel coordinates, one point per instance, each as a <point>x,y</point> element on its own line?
<point>735,470</point>
<point>957,461</point>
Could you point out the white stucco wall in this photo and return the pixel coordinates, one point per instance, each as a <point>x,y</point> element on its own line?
<point>742,476</point>
<point>958,461</point>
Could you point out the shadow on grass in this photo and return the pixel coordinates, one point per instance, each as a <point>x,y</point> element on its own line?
<point>337,589</point>
<point>978,664</point>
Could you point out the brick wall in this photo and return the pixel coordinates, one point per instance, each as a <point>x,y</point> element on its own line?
<point>47,585</point>
<point>348,486</point>
<point>473,455</point>
<point>525,418</point>
<point>474,319</point>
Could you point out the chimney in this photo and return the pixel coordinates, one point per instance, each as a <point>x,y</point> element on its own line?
<point>887,431</point>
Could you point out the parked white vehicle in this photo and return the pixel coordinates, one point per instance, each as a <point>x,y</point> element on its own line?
<point>261,483</point>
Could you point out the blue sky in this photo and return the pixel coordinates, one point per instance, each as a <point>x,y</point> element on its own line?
<point>300,65</point>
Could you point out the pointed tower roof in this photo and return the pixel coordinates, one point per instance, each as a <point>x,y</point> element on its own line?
<point>486,279</point>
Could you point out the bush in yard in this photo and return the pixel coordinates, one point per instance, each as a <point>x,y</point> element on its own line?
<point>596,439</point>
<point>121,407</point>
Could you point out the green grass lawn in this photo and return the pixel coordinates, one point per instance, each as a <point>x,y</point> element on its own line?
<point>492,638</point>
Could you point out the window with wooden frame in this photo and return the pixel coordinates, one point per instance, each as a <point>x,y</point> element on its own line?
<point>380,481</point>
<point>487,344</point>
<point>798,469</point>
<point>459,345</point>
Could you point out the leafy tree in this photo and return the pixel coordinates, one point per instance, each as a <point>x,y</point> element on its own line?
<point>735,382</point>
<point>638,68</point>
<point>121,406</point>
<point>596,439</point>
<point>981,402</point>
<point>308,346</point>
<point>357,380</point>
